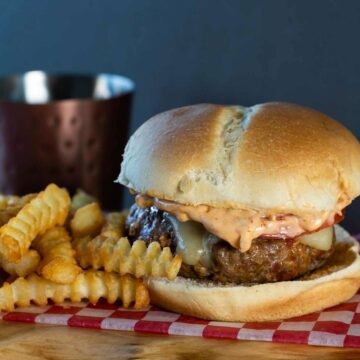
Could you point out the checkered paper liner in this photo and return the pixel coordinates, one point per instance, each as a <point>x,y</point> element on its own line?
<point>337,326</point>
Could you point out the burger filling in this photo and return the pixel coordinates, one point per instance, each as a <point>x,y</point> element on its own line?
<point>239,227</point>
<point>206,256</point>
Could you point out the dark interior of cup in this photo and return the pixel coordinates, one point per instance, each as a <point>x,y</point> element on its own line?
<point>38,87</point>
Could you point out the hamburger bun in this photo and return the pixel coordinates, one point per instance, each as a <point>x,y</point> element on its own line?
<point>330,285</point>
<point>277,156</point>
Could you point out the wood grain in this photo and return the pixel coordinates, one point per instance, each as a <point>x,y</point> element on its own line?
<point>40,342</point>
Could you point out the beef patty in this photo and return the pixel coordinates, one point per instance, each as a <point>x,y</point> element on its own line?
<point>268,260</point>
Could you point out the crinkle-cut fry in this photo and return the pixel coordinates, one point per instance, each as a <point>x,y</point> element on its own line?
<point>87,221</point>
<point>119,256</point>
<point>115,224</point>
<point>10,205</point>
<point>7,201</point>
<point>58,263</point>
<point>27,264</point>
<point>91,285</point>
<point>80,199</point>
<point>49,208</point>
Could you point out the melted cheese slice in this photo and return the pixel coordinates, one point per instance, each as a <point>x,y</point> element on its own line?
<point>194,243</point>
<point>320,240</point>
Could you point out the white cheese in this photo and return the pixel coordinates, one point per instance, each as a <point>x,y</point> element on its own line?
<point>320,240</point>
<point>194,242</point>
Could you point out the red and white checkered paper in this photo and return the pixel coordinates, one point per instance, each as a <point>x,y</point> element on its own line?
<point>337,326</point>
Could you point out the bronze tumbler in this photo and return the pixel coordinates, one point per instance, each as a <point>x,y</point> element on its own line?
<point>67,129</point>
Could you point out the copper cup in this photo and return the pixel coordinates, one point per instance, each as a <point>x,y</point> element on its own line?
<point>67,129</point>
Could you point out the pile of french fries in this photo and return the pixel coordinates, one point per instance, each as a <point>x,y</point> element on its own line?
<point>56,248</point>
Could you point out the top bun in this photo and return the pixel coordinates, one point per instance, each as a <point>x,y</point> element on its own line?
<point>276,156</point>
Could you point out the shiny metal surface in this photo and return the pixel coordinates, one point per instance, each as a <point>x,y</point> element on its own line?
<point>38,87</point>
<point>68,129</point>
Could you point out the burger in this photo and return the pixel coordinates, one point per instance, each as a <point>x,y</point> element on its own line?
<point>250,198</point>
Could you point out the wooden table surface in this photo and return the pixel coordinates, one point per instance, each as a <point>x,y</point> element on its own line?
<point>34,342</point>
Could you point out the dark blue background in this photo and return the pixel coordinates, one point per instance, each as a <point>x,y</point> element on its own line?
<point>189,51</point>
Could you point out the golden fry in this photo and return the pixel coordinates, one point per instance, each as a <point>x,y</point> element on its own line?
<point>58,264</point>
<point>91,285</point>
<point>14,200</point>
<point>11,205</point>
<point>80,199</point>
<point>87,221</point>
<point>8,200</point>
<point>119,256</point>
<point>115,224</point>
<point>27,264</point>
<point>49,208</point>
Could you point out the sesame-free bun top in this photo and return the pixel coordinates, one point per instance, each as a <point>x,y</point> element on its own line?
<point>278,156</point>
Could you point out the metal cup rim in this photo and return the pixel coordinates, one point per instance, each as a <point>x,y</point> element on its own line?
<point>121,85</point>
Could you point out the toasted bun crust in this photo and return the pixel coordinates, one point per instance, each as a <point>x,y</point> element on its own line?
<point>275,156</point>
<point>265,302</point>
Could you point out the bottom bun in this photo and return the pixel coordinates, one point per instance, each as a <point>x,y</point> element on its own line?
<point>335,282</point>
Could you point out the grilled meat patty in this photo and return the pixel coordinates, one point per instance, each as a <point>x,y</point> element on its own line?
<point>268,260</point>
<point>150,225</point>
